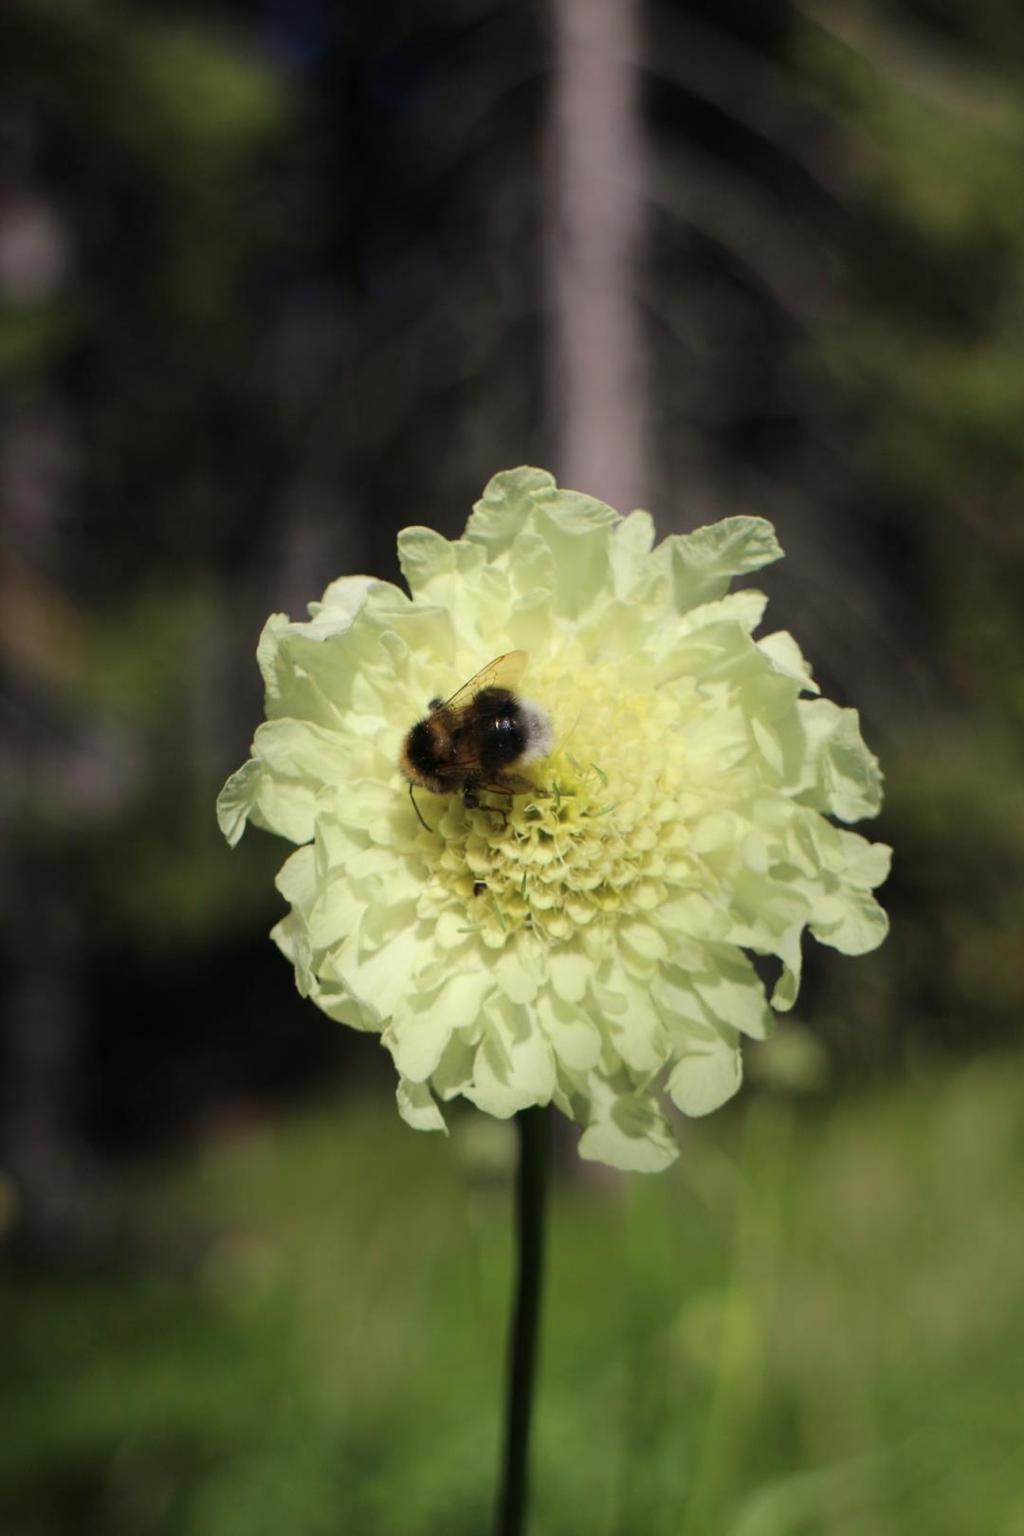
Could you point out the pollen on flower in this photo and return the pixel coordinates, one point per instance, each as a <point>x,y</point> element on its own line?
<point>596,841</point>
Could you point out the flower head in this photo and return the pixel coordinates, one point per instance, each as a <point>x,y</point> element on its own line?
<point>587,940</point>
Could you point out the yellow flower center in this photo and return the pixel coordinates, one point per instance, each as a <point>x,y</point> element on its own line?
<point>603,833</point>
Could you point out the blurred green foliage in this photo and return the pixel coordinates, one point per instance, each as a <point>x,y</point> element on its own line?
<point>811,1324</point>
<point>928,348</point>
<point>287,281</point>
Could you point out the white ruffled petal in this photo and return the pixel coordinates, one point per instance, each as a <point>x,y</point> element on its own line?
<point>417,1107</point>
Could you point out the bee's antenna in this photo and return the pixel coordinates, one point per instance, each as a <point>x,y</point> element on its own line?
<point>416,808</point>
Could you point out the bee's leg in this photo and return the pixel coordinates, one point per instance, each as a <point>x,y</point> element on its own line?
<point>416,808</point>
<point>495,810</point>
<point>471,797</point>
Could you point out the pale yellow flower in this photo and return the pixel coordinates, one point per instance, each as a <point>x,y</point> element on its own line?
<point>587,943</point>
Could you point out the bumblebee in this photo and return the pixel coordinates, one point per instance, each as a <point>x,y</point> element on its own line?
<point>477,738</point>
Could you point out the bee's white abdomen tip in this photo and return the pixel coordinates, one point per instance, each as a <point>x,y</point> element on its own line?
<point>540,734</point>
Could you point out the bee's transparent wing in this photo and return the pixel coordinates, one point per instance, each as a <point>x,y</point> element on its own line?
<point>503,672</point>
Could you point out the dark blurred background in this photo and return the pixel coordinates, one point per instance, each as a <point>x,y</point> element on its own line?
<point>277,279</point>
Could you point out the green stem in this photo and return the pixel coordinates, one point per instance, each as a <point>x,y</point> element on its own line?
<point>534,1135</point>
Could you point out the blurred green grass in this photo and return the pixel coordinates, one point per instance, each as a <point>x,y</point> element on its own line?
<point>812,1324</point>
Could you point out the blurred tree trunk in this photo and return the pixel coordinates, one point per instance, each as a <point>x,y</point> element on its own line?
<point>595,229</point>
<point>57,1209</point>
<point>46,758</point>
